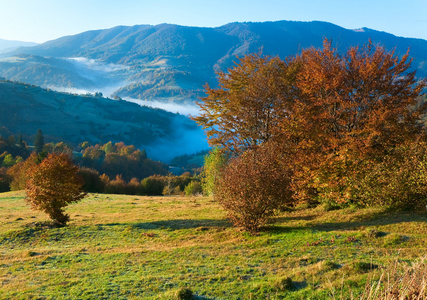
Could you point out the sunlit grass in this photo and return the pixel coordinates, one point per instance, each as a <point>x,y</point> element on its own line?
<point>131,247</point>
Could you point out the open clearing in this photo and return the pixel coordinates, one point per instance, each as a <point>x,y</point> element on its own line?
<point>131,247</point>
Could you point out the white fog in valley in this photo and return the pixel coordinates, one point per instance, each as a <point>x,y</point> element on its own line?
<point>107,78</point>
<point>183,109</point>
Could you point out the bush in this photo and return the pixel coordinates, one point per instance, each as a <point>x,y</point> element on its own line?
<point>184,294</point>
<point>284,284</point>
<point>171,186</point>
<point>19,172</point>
<point>399,181</point>
<point>116,186</point>
<point>133,187</point>
<point>5,180</point>
<point>52,185</point>
<point>92,180</point>
<point>215,161</point>
<point>181,181</point>
<point>193,188</point>
<point>253,186</point>
<point>152,186</point>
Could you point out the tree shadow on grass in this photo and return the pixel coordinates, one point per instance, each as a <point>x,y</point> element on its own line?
<point>377,219</point>
<point>203,224</point>
<point>367,220</point>
<point>197,297</point>
<point>295,218</point>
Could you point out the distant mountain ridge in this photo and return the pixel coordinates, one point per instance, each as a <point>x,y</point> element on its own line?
<point>172,63</point>
<point>7,45</point>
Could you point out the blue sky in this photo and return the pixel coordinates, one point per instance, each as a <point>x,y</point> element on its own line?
<point>42,20</point>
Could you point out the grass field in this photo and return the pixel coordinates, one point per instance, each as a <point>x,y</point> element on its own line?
<point>130,247</point>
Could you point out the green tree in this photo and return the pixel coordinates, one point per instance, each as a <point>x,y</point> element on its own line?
<point>8,161</point>
<point>39,142</point>
<point>108,147</point>
<point>215,162</point>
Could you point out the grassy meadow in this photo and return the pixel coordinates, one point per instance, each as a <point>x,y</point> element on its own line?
<point>134,247</point>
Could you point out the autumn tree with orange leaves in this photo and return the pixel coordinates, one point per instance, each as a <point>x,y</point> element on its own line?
<point>335,117</point>
<point>247,107</point>
<point>352,110</point>
<point>52,185</point>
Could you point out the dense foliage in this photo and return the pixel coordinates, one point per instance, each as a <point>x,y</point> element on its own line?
<point>347,125</point>
<point>120,159</point>
<point>252,186</point>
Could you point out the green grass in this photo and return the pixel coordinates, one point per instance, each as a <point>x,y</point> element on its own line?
<point>130,247</point>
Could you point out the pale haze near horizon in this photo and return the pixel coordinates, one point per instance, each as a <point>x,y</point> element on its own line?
<point>43,20</point>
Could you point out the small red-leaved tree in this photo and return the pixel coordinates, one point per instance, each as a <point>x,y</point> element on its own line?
<point>52,185</point>
<point>253,186</point>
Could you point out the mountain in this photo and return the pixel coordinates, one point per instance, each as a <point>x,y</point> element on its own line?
<point>172,63</point>
<point>7,46</point>
<point>76,118</point>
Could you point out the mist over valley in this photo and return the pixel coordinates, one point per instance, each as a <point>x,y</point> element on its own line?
<point>164,66</point>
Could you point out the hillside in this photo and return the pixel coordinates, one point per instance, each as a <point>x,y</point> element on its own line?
<point>133,247</point>
<point>172,63</point>
<point>74,119</point>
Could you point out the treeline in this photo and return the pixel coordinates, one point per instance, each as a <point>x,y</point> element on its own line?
<point>155,185</point>
<point>120,159</point>
<point>12,151</point>
<point>108,168</point>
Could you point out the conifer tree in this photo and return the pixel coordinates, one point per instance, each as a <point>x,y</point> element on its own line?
<point>39,141</point>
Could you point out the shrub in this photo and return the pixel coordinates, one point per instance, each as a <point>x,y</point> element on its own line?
<point>92,181</point>
<point>152,186</point>
<point>116,186</point>
<point>169,186</point>
<point>284,284</point>
<point>133,187</point>
<point>5,180</point>
<point>184,294</point>
<point>52,185</point>
<point>253,186</point>
<point>215,161</point>
<point>193,188</point>
<point>19,172</point>
<point>181,181</point>
<point>399,181</point>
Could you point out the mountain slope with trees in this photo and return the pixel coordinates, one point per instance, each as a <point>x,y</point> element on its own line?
<point>73,119</point>
<point>171,62</point>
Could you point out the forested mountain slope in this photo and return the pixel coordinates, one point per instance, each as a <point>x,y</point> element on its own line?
<point>74,119</point>
<point>171,62</point>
